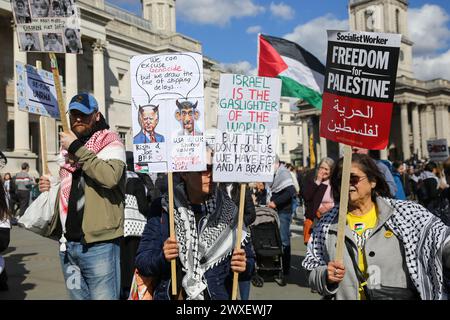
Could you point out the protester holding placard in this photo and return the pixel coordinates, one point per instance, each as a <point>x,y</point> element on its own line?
<point>393,249</point>
<point>205,221</point>
<point>90,211</point>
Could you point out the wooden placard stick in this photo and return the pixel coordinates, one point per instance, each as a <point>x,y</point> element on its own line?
<point>172,232</point>
<point>343,205</point>
<point>239,238</point>
<point>59,93</point>
<point>43,135</point>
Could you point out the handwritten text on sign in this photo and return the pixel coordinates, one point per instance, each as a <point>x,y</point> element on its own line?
<point>247,128</point>
<point>359,88</point>
<point>36,91</point>
<point>168,111</point>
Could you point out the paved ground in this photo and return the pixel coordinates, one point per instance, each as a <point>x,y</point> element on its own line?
<point>34,270</point>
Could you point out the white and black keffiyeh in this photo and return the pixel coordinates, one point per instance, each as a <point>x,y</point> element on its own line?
<point>198,252</point>
<point>423,236</point>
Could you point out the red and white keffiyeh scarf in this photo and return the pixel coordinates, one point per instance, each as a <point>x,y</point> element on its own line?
<point>107,146</point>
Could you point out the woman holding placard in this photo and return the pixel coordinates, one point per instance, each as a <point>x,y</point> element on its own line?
<point>206,222</point>
<point>393,249</point>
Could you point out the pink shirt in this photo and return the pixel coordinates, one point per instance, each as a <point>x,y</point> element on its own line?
<point>327,200</point>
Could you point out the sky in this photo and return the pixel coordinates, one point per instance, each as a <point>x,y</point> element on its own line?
<point>227,29</point>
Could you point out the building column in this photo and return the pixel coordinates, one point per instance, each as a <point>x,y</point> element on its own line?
<point>99,76</point>
<point>416,129</point>
<point>305,142</point>
<point>323,148</point>
<point>405,131</point>
<point>71,76</point>
<point>425,129</point>
<point>21,125</point>
<point>441,112</point>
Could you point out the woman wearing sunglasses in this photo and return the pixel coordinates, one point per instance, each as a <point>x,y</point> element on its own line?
<point>393,249</point>
<point>317,196</point>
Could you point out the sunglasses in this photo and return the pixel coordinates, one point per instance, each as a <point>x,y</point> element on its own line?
<point>354,179</point>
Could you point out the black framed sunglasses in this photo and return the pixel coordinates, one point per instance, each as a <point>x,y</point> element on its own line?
<point>354,179</point>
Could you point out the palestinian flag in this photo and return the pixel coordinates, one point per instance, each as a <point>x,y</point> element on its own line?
<point>302,74</point>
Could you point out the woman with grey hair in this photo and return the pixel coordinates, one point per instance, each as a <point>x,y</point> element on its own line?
<point>317,196</point>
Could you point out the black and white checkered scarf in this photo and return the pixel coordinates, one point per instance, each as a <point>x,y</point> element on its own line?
<point>423,236</point>
<point>200,251</point>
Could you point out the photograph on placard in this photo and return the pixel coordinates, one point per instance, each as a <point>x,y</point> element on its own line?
<point>53,42</point>
<point>68,7</point>
<point>40,8</point>
<point>73,40</point>
<point>21,11</point>
<point>29,41</point>
<point>56,9</point>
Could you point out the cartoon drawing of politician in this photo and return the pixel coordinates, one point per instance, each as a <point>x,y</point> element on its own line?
<point>187,114</point>
<point>148,120</point>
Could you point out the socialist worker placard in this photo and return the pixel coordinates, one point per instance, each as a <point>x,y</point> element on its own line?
<point>359,87</point>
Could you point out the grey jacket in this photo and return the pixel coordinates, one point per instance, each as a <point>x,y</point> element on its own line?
<point>384,254</point>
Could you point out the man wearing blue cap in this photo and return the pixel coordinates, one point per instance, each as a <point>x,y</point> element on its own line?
<point>91,203</point>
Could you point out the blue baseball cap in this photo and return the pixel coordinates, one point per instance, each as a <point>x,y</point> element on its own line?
<point>84,102</point>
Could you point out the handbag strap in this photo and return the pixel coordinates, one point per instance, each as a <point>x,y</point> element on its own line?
<point>361,278</point>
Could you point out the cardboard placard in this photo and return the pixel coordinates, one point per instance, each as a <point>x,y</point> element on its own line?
<point>438,150</point>
<point>359,88</point>
<point>47,26</point>
<point>247,128</point>
<point>168,112</point>
<point>36,91</point>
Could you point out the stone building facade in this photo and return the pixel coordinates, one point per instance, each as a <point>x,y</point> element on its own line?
<point>110,37</point>
<point>421,108</point>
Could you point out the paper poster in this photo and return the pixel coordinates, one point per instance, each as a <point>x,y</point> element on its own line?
<point>359,88</point>
<point>168,112</point>
<point>247,128</point>
<point>47,25</point>
<point>437,150</point>
<point>36,91</point>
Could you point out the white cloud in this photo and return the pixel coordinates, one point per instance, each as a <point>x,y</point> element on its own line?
<point>216,12</point>
<point>254,29</point>
<point>241,67</point>
<point>282,11</point>
<point>313,35</point>
<point>427,68</point>
<point>428,29</point>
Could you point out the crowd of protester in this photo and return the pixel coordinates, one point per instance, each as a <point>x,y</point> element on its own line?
<point>112,222</point>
